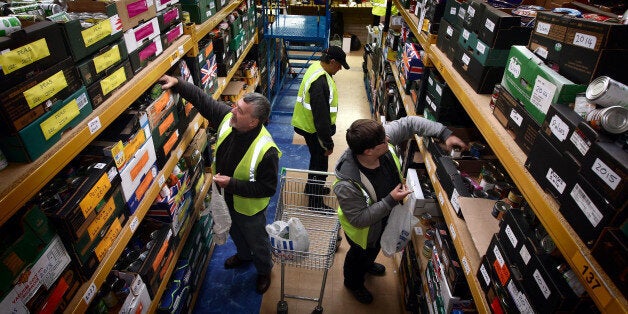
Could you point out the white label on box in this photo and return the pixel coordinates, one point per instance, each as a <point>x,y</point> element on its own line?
<point>489,25</point>
<point>480,48</point>
<point>525,255</point>
<point>418,231</point>
<point>441,199</point>
<point>100,165</point>
<point>201,58</point>
<point>450,31</point>
<point>514,67</point>
<point>487,278</point>
<point>134,223</point>
<point>511,236</point>
<point>465,264</point>
<point>195,127</point>
<point>582,145</point>
<point>461,13</point>
<point>498,256</point>
<point>112,173</point>
<point>516,117</point>
<point>522,303</point>
<point>465,34</point>
<point>90,293</point>
<point>465,59</point>
<point>586,205</point>
<point>555,180</point>
<point>454,201</point>
<point>452,230</point>
<point>439,90</point>
<point>542,94</point>
<point>161,180</point>
<point>584,40</point>
<point>430,81</point>
<point>541,52</point>
<point>452,11</point>
<point>82,100</point>
<point>605,173</point>
<point>433,105</point>
<point>541,283</point>
<point>543,28</point>
<point>471,11</point>
<point>559,128</point>
<point>94,125</point>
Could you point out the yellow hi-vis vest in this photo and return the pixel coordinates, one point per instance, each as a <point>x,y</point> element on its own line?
<point>302,117</point>
<point>379,8</point>
<point>247,167</point>
<point>360,235</point>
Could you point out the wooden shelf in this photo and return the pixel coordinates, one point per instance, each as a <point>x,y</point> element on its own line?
<point>199,31</point>
<point>406,99</point>
<point>20,182</point>
<point>223,81</point>
<point>599,286</point>
<point>87,291</point>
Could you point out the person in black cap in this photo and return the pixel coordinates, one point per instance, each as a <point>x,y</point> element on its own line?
<point>314,118</point>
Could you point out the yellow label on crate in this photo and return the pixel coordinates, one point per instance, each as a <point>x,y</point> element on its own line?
<point>590,278</point>
<point>18,58</point>
<point>93,197</point>
<point>60,119</point>
<point>135,143</point>
<point>117,151</point>
<point>45,90</point>
<point>105,213</point>
<point>104,245</point>
<point>97,32</point>
<point>112,81</point>
<point>107,59</point>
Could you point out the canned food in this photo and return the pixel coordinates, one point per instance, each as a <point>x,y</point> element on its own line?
<point>499,209</point>
<point>185,16</point>
<point>496,90</point>
<point>611,119</point>
<point>427,248</point>
<point>607,92</point>
<point>514,198</point>
<point>9,24</point>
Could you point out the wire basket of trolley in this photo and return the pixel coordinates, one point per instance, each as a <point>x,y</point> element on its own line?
<point>304,233</point>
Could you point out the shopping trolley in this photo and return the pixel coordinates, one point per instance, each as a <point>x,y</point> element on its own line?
<point>320,223</point>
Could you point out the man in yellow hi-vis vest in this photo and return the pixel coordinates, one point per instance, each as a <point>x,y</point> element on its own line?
<point>379,10</point>
<point>245,167</point>
<point>369,185</point>
<point>314,118</point>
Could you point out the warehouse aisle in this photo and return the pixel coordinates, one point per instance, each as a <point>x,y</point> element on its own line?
<point>233,291</point>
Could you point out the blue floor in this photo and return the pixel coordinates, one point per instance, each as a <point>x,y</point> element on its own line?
<point>233,290</point>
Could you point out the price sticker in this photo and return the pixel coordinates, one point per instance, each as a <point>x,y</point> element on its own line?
<point>161,180</point>
<point>559,128</point>
<point>465,264</point>
<point>94,125</point>
<point>452,230</point>
<point>590,279</point>
<point>556,180</point>
<point>134,224</point>
<point>454,201</point>
<point>584,40</point>
<point>543,28</point>
<point>516,117</point>
<point>441,199</point>
<point>465,59</point>
<point>90,293</point>
<point>490,25</point>
<point>610,177</point>
<point>542,94</point>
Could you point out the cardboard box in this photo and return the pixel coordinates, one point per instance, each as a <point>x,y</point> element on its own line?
<point>450,15</point>
<point>611,253</point>
<point>486,55</point>
<point>43,41</point>
<point>546,288</point>
<point>606,167</point>
<point>138,300</point>
<point>138,171</point>
<point>145,54</point>
<point>93,68</point>
<point>523,126</point>
<point>422,204</point>
<point>29,100</point>
<point>84,42</point>
<point>168,37</point>
<point>473,15</point>
<point>136,37</point>
<point>167,123</point>
<point>123,137</point>
<point>200,10</point>
<point>164,4</point>
<point>484,275</point>
<point>172,138</point>
<point>481,78</point>
<point>553,171</point>
<point>536,85</point>
<point>133,12</point>
<point>113,78</point>
<point>39,136</point>
<point>495,20</point>
<point>169,17</point>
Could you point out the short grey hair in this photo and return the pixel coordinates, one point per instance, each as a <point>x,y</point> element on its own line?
<point>261,106</point>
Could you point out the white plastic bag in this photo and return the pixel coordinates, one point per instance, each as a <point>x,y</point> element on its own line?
<point>288,237</point>
<point>298,234</point>
<point>398,230</point>
<point>220,213</point>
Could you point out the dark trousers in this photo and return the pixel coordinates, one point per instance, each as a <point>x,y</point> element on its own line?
<point>357,263</point>
<point>318,161</point>
<point>251,240</point>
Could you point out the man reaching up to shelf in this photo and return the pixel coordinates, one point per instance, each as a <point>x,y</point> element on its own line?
<point>245,167</point>
<point>314,118</point>
<point>369,185</point>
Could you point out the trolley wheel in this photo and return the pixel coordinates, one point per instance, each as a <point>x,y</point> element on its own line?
<point>318,310</point>
<point>282,307</point>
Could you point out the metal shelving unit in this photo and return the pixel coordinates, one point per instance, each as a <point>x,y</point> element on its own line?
<point>406,99</point>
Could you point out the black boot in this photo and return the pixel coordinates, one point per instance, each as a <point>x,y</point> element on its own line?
<point>316,202</point>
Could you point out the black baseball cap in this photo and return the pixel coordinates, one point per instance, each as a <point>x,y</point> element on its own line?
<point>336,53</point>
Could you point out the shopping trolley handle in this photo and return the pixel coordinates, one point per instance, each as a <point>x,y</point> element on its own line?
<point>325,173</point>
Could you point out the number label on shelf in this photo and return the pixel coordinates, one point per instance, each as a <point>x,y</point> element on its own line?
<point>559,128</point>
<point>465,59</point>
<point>454,201</point>
<point>161,180</point>
<point>584,40</point>
<point>94,125</point>
<point>590,279</point>
<point>134,224</point>
<point>605,173</point>
<point>515,116</point>
<point>465,264</point>
<point>556,180</point>
<point>90,293</point>
<point>452,230</point>
<point>195,127</point>
<point>543,28</point>
<point>441,199</point>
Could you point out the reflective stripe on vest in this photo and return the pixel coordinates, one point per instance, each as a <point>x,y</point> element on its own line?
<point>302,117</point>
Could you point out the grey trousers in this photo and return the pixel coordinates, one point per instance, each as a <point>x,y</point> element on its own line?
<point>251,240</point>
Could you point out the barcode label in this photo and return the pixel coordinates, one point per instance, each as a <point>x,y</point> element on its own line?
<point>585,204</point>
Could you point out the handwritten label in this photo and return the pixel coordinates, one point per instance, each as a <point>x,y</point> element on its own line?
<point>587,206</point>
<point>556,180</point>
<point>20,57</point>
<point>511,236</point>
<point>525,255</point>
<point>454,201</point>
<point>94,125</point>
<point>452,11</point>
<point>450,31</point>
<point>103,216</point>
<point>95,194</point>
<point>90,293</point>
<point>487,278</point>
<point>97,32</point>
<point>540,282</point>
<point>452,230</point>
<point>105,244</point>
<point>112,82</point>
<point>590,279</point>
<point>559,128</point>
<point>465,59</point>
<point>465,34</point>
<point>516,117</point>
<point>107,59</point>
<point>490,25</point>
<point>439,90</point>
<point>465,265</point>
<point>584,40</point>
<point>59,119</point>
<point>542,94</point>
<point>134,223</point>
<point>581,144</point>
<point>498,256</point>
<point>610,177</point>
<point>470,12</point>
<point>543,28</point>
<point>45,89</point>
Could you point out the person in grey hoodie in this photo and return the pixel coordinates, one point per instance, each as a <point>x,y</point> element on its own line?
<point>369,185</point>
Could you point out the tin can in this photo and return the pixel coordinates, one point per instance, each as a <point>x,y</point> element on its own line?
<point>514,198</point>
<point>427,248</point>
<point>9,24</point>
<point>496,90</point>
<point>50,8</point>
<point>185,16</point>
<point>611,119</point>
<point>3,161</point>
<point>499,209</point>
<point>607,92</point>
<point>26,9</point>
